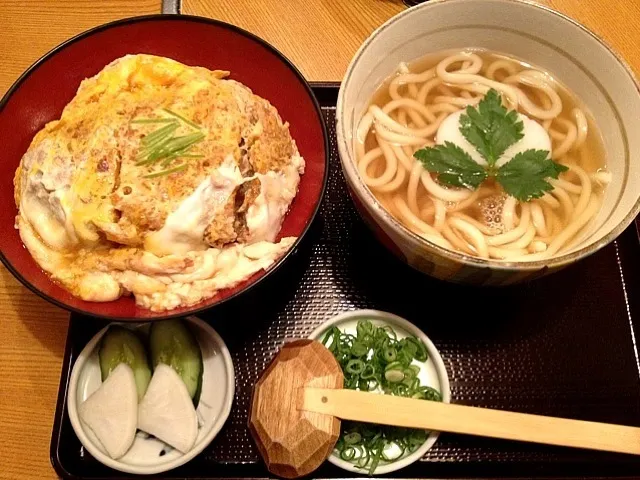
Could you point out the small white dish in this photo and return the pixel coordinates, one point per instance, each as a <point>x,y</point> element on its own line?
<point>432,373</point>
<point>145,455</point>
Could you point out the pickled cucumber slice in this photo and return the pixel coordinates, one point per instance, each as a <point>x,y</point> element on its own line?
<point>173,344</point>
<point>121,345</point>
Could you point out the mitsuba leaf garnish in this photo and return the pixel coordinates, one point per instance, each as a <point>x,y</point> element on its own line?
<point>453,165</point>
<point>164,146</point>
<point>492,129</point>
<point>524,176</point>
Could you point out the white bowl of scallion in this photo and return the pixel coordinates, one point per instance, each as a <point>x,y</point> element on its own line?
<point>386,354</point>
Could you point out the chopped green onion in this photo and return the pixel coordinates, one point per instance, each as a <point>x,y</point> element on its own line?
<point>393,366</point>
<point>182,153</point>
<point>367,339</point>
<point>359,349</point>
<point>179,143</point>
<point>348,453</point>
<point>368,372</point>
<point>367,384</point>
<point>332,334</point>
<point>355,366</point>
<point>162,145</point>
<point>169,171</point>
<point>410,347</point>
<point>401,390</point>
<point>394,376</point>
<point>421,351</point>
<point>364,458</point>
<point>160,133</point>
<point>374,358</point>
<point>415,439</point>
<point>375,460</point>
<point>153,120</point>
<point>431,394</point>
<point>364,327</point>
<point>185,120</point>
<point>172,148</point>
<point>409,375</point>
<point>400,446</point>
<point>351,438</point>
<point>150,154</point>
<point>390,354</point>
<point>390,331</point>
<point>412,383</point>
<point>144,152</point>
<point>157,143</point>
<point>167,161</point>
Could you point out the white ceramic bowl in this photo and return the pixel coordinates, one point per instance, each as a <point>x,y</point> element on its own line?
<point>539,35</point>
<point>144,456</point>
<point>433,373</point>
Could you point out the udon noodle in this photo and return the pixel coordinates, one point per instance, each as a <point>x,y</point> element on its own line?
<point>405,116</point>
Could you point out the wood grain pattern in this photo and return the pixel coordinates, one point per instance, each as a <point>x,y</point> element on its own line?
<point>443,417</point>
<point>299,399</point>
<point>321,36</point>
<point>617,22</point>
<point>294,443</point>
<point>318,36</point>
<point>31,28</point>
<point>32,331</point>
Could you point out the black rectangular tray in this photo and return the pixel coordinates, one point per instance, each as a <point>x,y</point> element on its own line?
<point>564,345</point>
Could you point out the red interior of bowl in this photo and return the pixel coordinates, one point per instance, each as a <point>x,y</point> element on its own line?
<point>42,93</point>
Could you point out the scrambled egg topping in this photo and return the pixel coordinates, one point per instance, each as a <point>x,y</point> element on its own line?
<point>105,225</point>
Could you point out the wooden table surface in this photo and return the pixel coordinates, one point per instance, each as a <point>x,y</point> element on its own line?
<point>319,36</point>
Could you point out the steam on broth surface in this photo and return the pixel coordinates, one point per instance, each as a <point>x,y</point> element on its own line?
<point>419,108</point>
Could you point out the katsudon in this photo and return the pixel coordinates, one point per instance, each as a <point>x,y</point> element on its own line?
<point>161,180</point>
